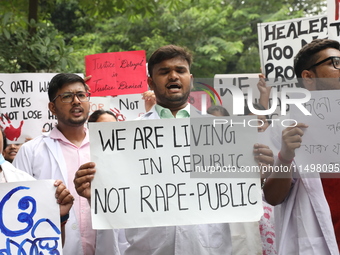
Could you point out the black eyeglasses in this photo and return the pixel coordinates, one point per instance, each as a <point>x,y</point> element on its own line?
<point>335,61</point>
<point>68,97</point>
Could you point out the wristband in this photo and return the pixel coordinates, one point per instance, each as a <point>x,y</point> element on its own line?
<point>284,160</point>
<point>64,218</point>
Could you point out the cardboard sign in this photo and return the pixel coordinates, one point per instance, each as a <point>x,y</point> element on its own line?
<point>149,175</point>
<point>116,73</point>
<point>29,218</point>
<point>280,41</point>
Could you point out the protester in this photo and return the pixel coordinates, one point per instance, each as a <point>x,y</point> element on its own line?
<point>171,81</point>
<point>12,149</point>
<point>8,173</point>
<point>59,154</point>
<point>307,218</point>
<point>102,116</point>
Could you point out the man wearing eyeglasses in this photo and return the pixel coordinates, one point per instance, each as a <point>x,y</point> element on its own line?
<point>317,65</point>
<point>308,217</point>
<point>59,154</point>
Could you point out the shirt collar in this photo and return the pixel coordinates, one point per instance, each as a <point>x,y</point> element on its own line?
<point>57,135</point>
<point>165,113</point>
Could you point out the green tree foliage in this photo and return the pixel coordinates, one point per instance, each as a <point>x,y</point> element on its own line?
<point>30,45</point>
<point>221,34</point>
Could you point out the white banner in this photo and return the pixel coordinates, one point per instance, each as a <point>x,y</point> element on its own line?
<point>144,177</point>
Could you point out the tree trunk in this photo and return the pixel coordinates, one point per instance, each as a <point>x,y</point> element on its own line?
<point>32,14</point>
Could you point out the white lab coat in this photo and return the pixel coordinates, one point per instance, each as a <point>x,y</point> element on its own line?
<point>43,158</point>
<point>303,223</point>
<point>13,174</point>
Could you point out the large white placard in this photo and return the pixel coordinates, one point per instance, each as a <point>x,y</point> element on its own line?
<point>29,218</point>
<point>144,177</point>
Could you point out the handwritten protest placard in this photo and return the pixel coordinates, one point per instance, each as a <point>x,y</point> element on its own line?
<point>117,73</point>
<point>29,218</point>
<point>144,174</point>
<point>333,12</point>
<point>320,146</point>
<point>280,41</point>
<point>24,105</point>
